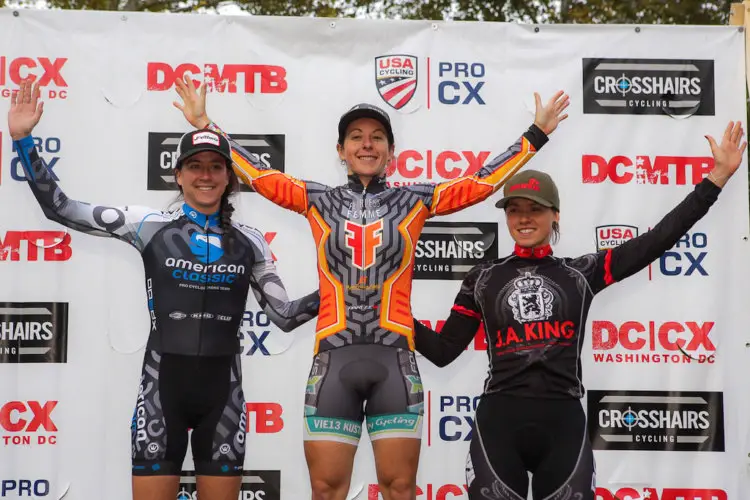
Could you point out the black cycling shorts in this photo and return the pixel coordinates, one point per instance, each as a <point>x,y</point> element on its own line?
<point>357,382</point>
<point>515,435</point>
<point>179,394</point>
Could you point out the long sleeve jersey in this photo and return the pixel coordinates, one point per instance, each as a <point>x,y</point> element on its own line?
<point>197,278</point>
<point>534,306</point>
<point>365,238</point>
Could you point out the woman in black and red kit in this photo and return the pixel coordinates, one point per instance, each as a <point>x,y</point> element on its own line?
<point>534,307</point>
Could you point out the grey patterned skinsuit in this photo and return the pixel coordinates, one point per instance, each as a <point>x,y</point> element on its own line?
<point>366,237</point>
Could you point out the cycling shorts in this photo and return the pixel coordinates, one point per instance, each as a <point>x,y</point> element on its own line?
<point>179,394</point>
<point>546,437</point>
<point>375,383</point>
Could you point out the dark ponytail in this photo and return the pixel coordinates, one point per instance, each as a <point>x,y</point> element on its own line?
<point>226,209</point>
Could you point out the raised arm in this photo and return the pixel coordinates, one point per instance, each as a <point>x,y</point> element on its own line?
<point>457,332</point>
<point>278,187</point>
<point>119,222</point>
<point>462,192</point>
<point>635,254</point>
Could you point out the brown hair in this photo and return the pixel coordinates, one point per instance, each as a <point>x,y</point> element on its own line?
<point>555,233</point>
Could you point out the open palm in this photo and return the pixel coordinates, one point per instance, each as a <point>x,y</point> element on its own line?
<point>193,104</point>
<point>728,154</point>
<point>25,110</point>
<point>549,116</point>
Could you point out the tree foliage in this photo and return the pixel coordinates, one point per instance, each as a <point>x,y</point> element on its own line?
<point>530,11</point>
<point>646,11</point>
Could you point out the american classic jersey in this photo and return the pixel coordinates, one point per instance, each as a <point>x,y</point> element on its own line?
<point>197,274</point>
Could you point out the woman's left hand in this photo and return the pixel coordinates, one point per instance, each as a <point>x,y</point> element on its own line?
<point>548,117</point>
<point>727,155</point>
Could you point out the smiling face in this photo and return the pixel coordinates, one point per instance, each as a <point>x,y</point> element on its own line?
<point>203,178</point>
<point>529,223</point>
<point>366,150</point>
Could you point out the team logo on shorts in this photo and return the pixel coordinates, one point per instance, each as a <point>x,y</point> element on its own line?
<point>224,449</point>
<point>396,79</point>
<point>531,300</point>
<point>153,447</point>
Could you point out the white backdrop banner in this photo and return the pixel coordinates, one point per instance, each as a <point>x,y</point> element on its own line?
<point>665,362</point>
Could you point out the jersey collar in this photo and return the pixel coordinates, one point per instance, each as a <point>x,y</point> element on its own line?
<point>532,253</point>
<point>199,218</point>
<point>376,185</point>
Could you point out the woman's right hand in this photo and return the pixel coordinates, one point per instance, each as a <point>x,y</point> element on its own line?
<point>25,110</point>
<point>193,102</point>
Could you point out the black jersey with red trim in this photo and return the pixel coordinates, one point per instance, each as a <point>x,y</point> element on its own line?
<point>534,306</point>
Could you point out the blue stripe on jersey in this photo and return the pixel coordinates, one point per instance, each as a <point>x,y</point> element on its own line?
<point>23,147</point>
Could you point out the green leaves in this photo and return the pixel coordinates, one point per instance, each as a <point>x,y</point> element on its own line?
<point>536,11</point>
<point>648,11</point>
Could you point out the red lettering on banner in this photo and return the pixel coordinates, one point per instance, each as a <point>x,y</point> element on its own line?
<point>20,68</point>
<point>161,76</point>
<point>395,62</point>
<point>666,494</point>
<point>606,233</point>
<point>662,170</point>
<point>669,336</point>
<point>6,420</point>
<point>430,491</point>
<point>55,245</point>
<point>12,416</point>
<point>267,417</point>
<point>444,165</point>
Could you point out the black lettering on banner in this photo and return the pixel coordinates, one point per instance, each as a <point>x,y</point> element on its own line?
<point>264,484</point>
<point>269,150</point>
<point>656,420</point>
<point>33,332</point>
<point>675,87</point>
<point>448,250</point>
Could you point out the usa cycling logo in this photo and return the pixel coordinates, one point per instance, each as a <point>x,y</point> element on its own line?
<point>396,79</point>
<point>453,83</point>
<point>206,247</point>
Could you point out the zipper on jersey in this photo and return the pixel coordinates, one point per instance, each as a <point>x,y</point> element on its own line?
<point>364,237</point>
<point>205,289</point>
